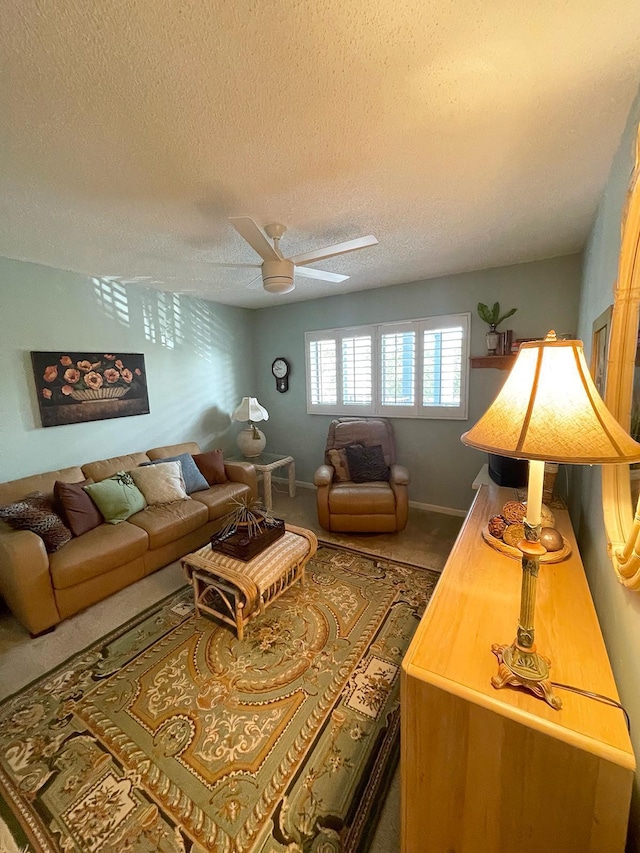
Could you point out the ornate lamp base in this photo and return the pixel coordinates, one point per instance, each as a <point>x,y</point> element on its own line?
<point>524,668</point>
<point>251,442</point>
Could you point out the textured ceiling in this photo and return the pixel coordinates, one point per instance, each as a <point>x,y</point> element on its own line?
<point>464,134</point>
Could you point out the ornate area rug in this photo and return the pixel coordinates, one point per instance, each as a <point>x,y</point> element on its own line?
<point>170,735</point>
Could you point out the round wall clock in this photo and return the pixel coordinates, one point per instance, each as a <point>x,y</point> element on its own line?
<point>280,369</point>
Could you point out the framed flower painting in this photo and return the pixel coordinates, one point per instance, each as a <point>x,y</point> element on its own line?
<point>73,387</point>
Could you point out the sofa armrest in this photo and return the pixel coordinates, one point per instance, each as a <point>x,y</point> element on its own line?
<point>25,580</point>
<point>243,472</point>
<point>399,475</point>
<point>323,476</point>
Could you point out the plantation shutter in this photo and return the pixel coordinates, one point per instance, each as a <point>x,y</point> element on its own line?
<point>357,380</point>
<point>445,365</point>
<point>322,373</point>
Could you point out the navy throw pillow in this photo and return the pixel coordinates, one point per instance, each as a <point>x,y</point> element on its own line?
<point>367,464</point>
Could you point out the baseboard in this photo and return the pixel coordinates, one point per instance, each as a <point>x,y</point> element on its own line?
<point>445,510</point>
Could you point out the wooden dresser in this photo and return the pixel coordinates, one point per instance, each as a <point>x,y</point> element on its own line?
<point>499,771</point>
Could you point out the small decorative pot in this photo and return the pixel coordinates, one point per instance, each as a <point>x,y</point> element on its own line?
<point>492,340</point>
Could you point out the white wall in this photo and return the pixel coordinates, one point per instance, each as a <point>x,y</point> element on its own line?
<point>198,355</point>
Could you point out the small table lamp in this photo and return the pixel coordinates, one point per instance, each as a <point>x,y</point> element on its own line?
<point>251,440</point>
<point>548,409</point>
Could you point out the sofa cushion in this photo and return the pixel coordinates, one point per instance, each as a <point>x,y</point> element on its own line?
<point>211,465</point>
<point>173,450</point>
<point>351,499</point>
<point>80,512</point>
<point>367,464</point>
<point>13,490</point>
<point>193,479</point>
<point>98,551</point>
<point>36,514</point>
<point>160,482</point>
<point>108,467</point>
<point>221,499</point>
<point>165,523</point>
<point>117,497</point>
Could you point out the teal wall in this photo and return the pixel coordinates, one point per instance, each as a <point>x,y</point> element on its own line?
<point>198,357</point>
<point>618,609</point>
<point>442,469</point>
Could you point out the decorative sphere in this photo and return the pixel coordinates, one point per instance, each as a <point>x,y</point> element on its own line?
<point>551,539</point>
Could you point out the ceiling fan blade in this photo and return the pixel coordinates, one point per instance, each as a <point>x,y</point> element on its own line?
<point>309,272</point>
<point>338,249</point>
<point>247,228</point>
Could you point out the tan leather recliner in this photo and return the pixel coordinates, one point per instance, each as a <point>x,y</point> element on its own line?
<point>371,507</point>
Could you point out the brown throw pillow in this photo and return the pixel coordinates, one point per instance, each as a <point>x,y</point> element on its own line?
<point>338,459</point>
<point>35,513</point>
<point>80,512</point>
<point>367,464</point>
<point>211,466</point>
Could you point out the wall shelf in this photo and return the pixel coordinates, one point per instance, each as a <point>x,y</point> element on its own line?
<point>501,362</point>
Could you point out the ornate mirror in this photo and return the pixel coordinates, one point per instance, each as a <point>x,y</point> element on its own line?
<point>621,483</point>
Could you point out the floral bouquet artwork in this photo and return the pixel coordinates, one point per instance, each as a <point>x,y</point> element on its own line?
<point>114,384</point>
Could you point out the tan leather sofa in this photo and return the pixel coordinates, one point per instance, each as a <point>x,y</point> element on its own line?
<point>43,589</point>
<point>371,507</point>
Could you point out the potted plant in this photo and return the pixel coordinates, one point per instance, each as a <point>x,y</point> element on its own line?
<point>493,317</point>
<point>250,515</point>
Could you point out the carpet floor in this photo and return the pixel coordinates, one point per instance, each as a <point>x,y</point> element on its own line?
<point>170,734</point>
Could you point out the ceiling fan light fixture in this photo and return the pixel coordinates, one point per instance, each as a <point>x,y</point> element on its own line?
<point>277,276</point>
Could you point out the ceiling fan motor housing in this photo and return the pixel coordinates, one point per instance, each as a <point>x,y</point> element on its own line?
<point>277,276</point>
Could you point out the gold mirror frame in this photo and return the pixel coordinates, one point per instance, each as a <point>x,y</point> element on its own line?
<point>621,519</point>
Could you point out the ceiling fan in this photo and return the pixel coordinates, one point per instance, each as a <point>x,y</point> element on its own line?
<point>278,271</point>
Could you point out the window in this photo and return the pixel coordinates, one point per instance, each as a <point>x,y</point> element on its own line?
<point>410,369</point>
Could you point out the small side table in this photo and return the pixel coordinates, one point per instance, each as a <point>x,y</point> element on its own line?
<point>265,464</point>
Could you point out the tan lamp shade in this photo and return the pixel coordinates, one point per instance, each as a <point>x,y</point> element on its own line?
<point>550,409</point>
<point>250,410</point>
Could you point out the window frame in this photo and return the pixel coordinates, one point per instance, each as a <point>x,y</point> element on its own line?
<point>377,331</point>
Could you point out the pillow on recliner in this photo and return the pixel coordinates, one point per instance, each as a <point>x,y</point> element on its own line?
<point>338,459</point>
<point>367,464</point>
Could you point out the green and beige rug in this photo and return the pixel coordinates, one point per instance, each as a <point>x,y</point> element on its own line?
<point>170,735</point>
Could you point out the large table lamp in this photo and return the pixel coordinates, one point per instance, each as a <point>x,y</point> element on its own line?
<point>251,440</point>
<point>548,409</point>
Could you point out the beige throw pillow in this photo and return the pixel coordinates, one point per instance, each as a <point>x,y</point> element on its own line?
<point>338,459</point>
<point>161,483</point>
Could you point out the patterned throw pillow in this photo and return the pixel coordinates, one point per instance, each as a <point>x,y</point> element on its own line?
<point>36,513</point>
<point>211,465</point>
<point>194,481</point>
<point>367,464</point>
<point>160,484</point>
<point>117,497</point>
<point>338,459</point>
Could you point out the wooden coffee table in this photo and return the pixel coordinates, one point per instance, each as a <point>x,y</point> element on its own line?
<point>234,591</point>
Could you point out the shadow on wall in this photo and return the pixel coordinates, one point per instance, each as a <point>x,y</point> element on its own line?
<point>214,424</point>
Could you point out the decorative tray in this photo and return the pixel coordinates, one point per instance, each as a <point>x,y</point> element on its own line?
<point>516,553</point>
<point>241,546</point>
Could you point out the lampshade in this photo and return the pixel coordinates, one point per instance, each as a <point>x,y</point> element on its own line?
<point>250,410</point>
<point>550,409</point>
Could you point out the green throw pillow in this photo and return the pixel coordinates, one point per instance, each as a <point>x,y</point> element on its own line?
<point>117,497</point>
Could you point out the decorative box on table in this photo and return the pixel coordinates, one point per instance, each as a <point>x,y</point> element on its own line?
<point>239,545</point>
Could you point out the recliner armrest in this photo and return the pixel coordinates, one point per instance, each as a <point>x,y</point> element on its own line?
<point>399,475</point>
<point>323,476</point>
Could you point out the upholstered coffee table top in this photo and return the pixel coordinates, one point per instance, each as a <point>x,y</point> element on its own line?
<point>234,590</point>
